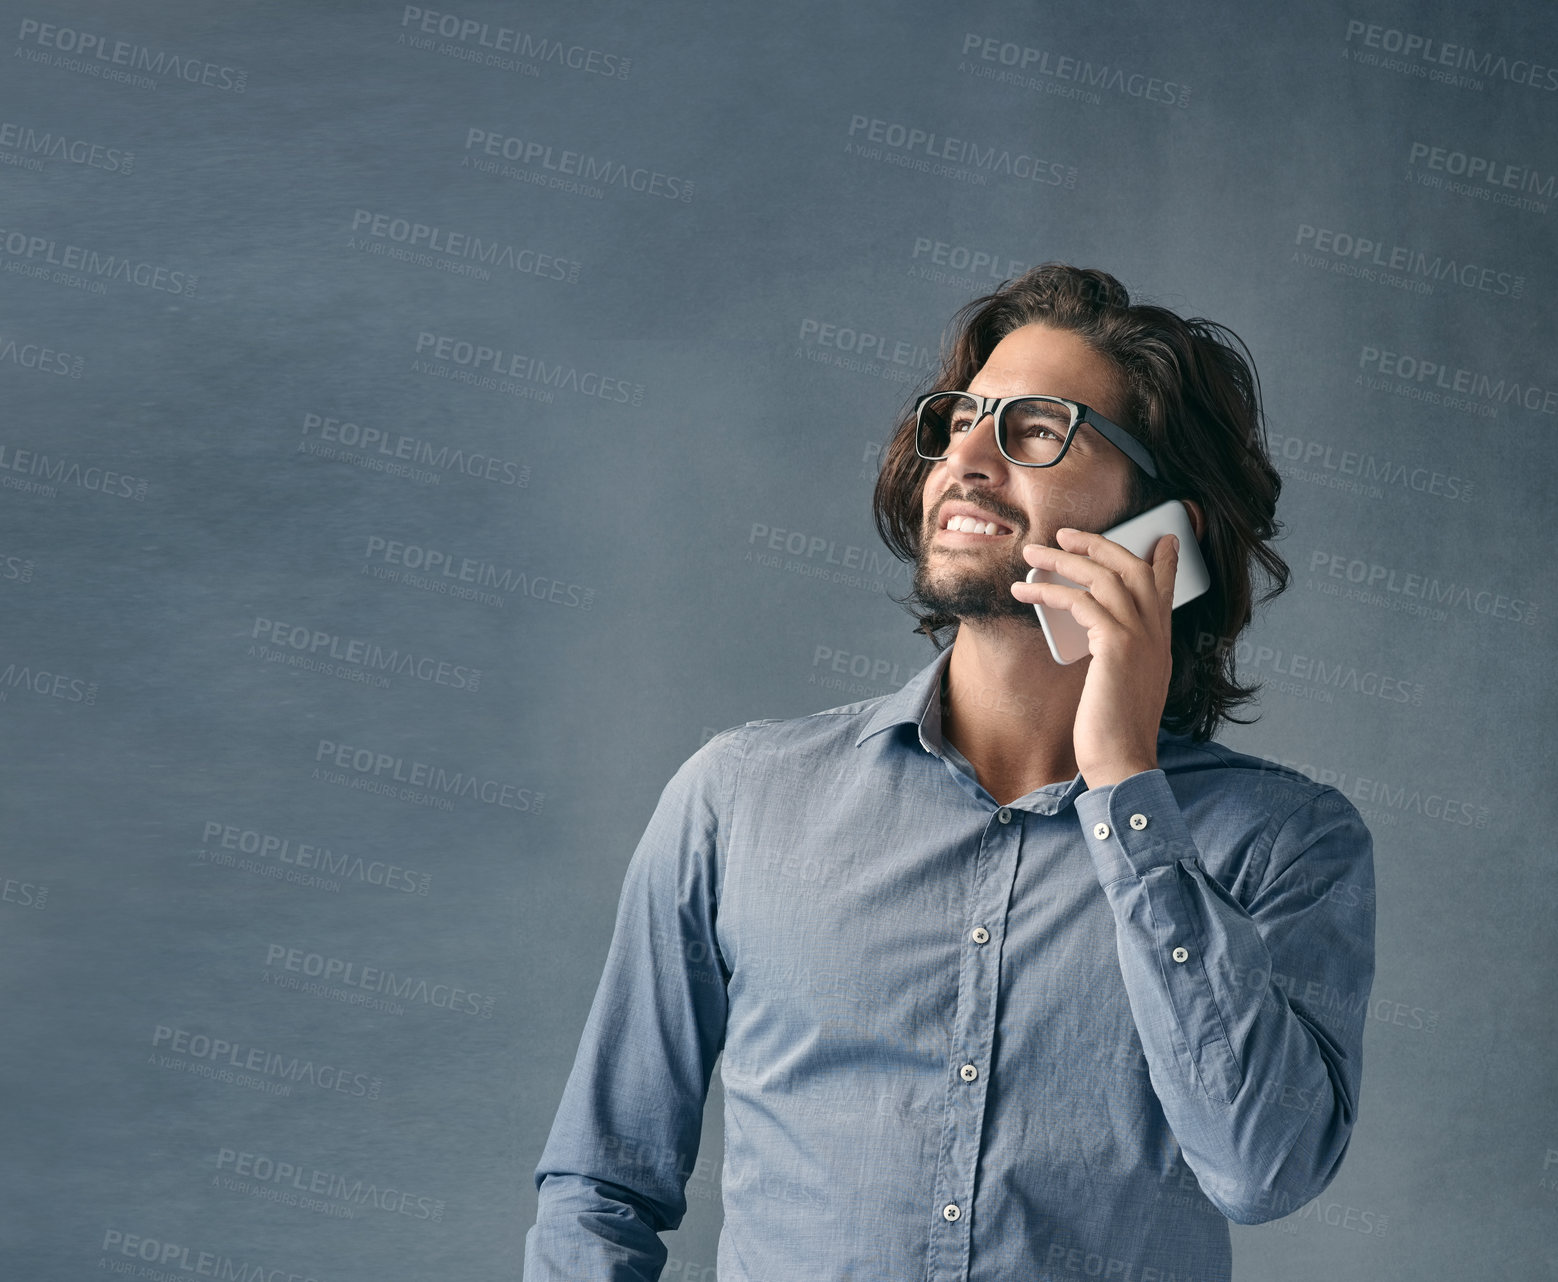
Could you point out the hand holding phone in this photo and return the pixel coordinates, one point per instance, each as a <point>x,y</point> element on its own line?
<point>1067,638</point>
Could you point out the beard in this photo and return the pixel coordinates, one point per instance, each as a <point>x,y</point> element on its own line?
<point>972,585</point>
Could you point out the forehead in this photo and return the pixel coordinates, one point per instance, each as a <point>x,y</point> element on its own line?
<point>1056,362</point>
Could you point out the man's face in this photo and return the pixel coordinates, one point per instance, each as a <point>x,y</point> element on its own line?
<point>969,575</point>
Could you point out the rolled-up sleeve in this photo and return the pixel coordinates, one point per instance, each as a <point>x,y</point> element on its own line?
<point>615,1166</point>
<point>1251,1010</point>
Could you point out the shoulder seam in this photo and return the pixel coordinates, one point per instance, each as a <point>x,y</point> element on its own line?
<point>1276,827</point>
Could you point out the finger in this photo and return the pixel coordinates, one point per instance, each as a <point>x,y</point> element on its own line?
<point>1074,565</point>
<point>1085,608</point>
<point>1104,551</point>
<point>1165,565</point>
<point>1103,583</point>
<point>1138,577</point>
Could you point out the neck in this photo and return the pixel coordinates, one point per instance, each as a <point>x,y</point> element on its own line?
<point>1009,708</point>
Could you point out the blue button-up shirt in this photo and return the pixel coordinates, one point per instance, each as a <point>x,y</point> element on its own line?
<point>1063,1038</point>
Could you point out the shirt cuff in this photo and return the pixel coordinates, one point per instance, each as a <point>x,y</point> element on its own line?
<point>1133,826</point>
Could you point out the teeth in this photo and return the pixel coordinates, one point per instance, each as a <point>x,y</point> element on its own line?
<point>968,525</point>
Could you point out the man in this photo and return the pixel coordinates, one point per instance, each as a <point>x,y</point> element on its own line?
<point>1017,973</point>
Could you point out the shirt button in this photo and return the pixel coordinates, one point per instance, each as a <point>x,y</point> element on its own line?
<point>950,1212</point>
<point>1100,831</point>
<point>1180,954</point>
<point>1138,822</point>
<point>1004,815</point>
<point>979,935</point>
<point>968,1072</point>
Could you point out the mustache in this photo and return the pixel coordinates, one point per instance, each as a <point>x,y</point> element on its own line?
<point>1008,514</point>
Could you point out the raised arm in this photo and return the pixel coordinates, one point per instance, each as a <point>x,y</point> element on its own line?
<point>1252,1018</point>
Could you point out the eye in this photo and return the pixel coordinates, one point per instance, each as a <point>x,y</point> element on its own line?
<point>1038,422</point>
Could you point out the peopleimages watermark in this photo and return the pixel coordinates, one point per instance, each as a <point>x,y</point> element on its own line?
<point>377,450</point>
<point>461,252</point>
<point>1315,671</point>
<point>282,962</point>
<point>1397,799</point>
<point>42,253</point>
<point>1326,1002</point>
<point>1362,471</point>
<point>1549,1180</point>
<point>1427,57</point>
<point>40,357</point>
<point>296,1183</point>
<point>491,43</point>
<point>30,147</point>
<point>1373,259</point>
<point>550,164</point>
<point>1454,385</point>
<point>1023,62</point>
<point>1493,179</point>
<point>862,350</point>
<point>236,1063</point>
<point>966,266</point>
<point>912,147</point>
<point>17,569</point>
<point>65,471</point>
<point>1373,577</point>
<point>297,641</point>
<point>24,894</point>
<point>866,668</point>
<point>312,857</point>
<point>474,361</point>
<point>811,556</point>
<point>165,1260</point>
<point>97,55</point>
<point>434,569</point>
<point>43,680</point>
<point>381,772</point>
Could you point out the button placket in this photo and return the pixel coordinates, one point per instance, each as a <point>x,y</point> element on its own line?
<point>973,1036</point>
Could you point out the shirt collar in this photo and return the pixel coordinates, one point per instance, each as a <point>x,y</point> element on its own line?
<point>917,703</point>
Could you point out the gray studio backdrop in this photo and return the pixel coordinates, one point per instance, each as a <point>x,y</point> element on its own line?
<point>424,428</point>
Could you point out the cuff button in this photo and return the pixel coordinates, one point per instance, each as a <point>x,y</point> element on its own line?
<point>1101,831</point>
<point>1138,822</point>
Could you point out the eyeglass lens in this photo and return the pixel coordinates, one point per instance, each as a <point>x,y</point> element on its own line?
<point>1032,429</point>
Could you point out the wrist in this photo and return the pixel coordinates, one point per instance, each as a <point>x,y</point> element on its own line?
<point>1107,774</point>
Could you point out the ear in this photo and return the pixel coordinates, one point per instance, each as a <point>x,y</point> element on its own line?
<point>1197,518</point>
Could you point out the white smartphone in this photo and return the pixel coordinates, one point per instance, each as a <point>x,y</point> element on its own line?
<point>1067,638</point>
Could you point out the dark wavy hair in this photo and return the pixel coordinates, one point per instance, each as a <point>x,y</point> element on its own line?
<point>1193,397</point>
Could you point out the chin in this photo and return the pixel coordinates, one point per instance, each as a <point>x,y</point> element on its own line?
<point>972,596</point>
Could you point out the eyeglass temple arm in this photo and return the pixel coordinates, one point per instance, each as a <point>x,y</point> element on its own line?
<point>1122,440</point>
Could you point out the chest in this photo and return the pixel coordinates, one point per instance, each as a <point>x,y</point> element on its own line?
<point>865,919</point>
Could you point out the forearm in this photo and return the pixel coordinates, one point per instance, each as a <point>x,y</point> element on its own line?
<point>591,1229</point>
<point>1260,1093</point>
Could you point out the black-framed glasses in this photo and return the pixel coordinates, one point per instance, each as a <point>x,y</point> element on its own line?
<point>1031,431</point>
